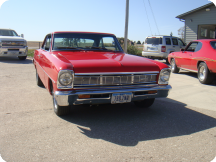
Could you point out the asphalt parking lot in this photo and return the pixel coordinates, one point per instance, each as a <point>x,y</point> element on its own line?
<point>179,128</point>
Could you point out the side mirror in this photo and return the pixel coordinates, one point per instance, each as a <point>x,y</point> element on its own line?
<point>22,35</point>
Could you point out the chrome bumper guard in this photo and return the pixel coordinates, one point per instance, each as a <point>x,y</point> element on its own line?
<point>65,98</point>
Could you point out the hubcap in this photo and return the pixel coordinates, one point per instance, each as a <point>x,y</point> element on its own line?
<point>173,65</point>
<point>202,73</point>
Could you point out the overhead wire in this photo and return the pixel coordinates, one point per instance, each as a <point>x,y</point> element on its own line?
<point>147,17</point>
<point>153,16</point>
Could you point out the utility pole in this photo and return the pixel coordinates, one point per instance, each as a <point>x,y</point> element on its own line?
<point>126,26</point>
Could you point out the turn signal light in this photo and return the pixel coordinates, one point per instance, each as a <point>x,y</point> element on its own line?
<point>152,92</point>
<point>83,96</point>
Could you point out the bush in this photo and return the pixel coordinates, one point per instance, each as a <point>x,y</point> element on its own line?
<point>132,50</point>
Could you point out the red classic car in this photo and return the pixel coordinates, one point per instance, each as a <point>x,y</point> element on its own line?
<point>199,56</point>
<point>91,68</point>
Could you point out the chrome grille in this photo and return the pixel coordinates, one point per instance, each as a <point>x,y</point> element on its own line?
<point>12,43</point>
<point>94,80</point>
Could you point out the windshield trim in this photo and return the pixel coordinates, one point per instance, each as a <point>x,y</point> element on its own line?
<point>117,44</point>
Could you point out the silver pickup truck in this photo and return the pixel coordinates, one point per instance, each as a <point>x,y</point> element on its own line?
<point>11,44</point>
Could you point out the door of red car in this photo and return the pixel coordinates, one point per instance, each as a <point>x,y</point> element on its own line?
<point>187,55</point>
<point>195,56</point>
<point>42,56</point>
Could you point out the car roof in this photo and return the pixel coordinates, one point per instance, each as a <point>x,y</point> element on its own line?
<point>161,36</point>
<point>80,32</point>
<point>5,29</point>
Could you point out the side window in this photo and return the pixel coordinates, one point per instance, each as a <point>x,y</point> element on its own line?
<point>198,47</point>
<point>168,41</point>
<point>192,47</point>
<point>213,44</point>
<point>46,45</point>
<point>180,42</point>
<point>175,41</point>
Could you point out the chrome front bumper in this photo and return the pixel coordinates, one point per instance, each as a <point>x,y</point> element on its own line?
<point>13,51</point>
<point>65,98</point>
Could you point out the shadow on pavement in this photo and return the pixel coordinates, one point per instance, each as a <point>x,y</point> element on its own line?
<point>15,60</point>
<point>126,124</point>
<point>194,75</point>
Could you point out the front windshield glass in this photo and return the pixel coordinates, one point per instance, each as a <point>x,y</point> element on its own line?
<point>8,33</point>
<point>86,41</point>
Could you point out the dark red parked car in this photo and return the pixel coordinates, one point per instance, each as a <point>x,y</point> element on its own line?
<point>199,56</point>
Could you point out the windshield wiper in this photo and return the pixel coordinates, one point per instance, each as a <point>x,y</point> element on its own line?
<point>103,48</point>
<point>78,48</point>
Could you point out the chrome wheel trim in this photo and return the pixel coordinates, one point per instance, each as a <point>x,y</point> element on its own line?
<point>202,73</point>
<point>173,65</point>
<point>54,102</point>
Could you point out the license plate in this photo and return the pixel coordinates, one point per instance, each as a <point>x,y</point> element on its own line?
<point>152,49</point>
<point>121,97</point>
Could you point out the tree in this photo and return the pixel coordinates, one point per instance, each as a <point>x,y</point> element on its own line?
<point>181,32</point>
<point>138,42</point>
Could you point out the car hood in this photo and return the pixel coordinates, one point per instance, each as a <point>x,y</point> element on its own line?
<point>11,38</point>
<point>88,61</point>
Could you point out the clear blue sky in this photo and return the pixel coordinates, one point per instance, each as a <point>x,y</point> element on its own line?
<point>36,18</point>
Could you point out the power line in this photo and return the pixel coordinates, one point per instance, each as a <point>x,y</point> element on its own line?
<point>153,16</point>
<point>147,17</point>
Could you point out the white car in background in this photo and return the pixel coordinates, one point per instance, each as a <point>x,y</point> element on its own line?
<point>159,47</point>
<point>11,44</point>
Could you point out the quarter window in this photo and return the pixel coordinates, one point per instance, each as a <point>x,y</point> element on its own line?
<point>180,42</point>
<point>198,47</point>
<point>175,41</point>
<point>46,45</point>
<point>213,44</point>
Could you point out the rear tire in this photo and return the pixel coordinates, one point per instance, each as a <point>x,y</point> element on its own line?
<point>59,110</point>
<point>204,75</point>
<point>174,68</point>
<point>144,103</point>
<point>22,57</point>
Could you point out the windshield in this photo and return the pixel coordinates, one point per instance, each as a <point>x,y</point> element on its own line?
<point>155,41</point>
<point>86,41</point>
<point>8,33</point>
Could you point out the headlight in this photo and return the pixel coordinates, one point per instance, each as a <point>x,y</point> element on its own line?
<point>25,43</point>
<point>164,76</point>
<point>65,79</point>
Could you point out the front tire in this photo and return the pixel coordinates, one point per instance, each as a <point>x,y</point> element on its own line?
<point>22,57</point>
<point>38,80</point>
<point>174,68</point>
<point>144,103</point>
<point>204,75</point>
<point>59,110</point>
